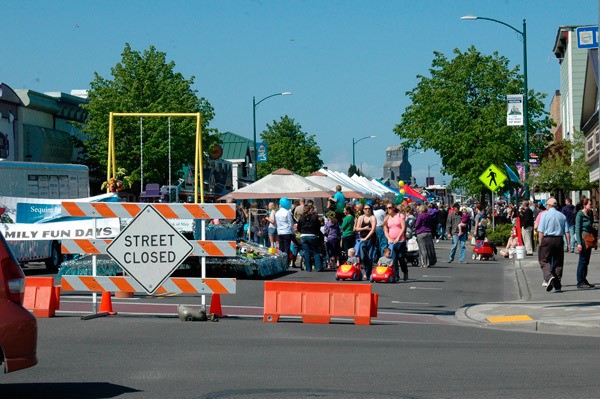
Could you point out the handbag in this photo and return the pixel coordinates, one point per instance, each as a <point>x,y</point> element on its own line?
<point>590,240</point>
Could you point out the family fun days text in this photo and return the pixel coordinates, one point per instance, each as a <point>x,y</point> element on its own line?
<point>106,228</point>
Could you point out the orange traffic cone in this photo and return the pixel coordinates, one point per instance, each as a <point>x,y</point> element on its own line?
<point>106,304</point>
<point>215,305</point>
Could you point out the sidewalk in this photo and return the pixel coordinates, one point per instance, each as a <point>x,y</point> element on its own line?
<point>570,312</point>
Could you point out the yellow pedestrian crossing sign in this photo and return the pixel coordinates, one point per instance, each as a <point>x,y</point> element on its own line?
<point>493,177</point>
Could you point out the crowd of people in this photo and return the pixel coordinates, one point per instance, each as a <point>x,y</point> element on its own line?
<point>365,229</point>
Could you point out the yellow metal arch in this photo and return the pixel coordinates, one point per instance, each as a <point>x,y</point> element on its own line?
<point>111,164</point>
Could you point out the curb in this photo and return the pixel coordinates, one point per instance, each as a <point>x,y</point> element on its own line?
<point>471,315</point>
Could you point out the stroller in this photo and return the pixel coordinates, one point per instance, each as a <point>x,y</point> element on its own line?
<point>412,251</point>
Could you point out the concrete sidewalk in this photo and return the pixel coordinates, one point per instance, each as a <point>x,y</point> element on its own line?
<point>571,312</point>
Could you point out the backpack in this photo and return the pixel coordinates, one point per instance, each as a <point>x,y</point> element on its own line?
<point>410,227</point>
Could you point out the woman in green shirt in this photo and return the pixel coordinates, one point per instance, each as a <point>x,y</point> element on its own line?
<point>347,227</point>
<point>584,229</point>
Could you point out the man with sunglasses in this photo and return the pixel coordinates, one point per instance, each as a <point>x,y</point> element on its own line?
<point>380,212</point>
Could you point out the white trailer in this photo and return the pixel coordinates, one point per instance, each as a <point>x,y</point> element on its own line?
<point>42,183</point>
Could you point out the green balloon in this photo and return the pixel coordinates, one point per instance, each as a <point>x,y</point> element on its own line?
<point>399,198</point>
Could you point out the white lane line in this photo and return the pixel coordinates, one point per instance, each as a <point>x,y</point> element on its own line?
<point>425,288</point>
<point>412,303</point>
<point>67,297</point>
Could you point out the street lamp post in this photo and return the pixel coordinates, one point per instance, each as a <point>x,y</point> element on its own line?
<point>429,172</point>
<point>254,105</point>
<point>415,153</point>
<point>354,143</point>
<point>523,34</point>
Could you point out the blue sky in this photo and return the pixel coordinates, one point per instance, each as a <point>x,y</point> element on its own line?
<point>348,63</point>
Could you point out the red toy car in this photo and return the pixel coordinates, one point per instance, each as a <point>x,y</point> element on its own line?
<point>483,250</point>
<point>383,273</point>
<point>348,271</point>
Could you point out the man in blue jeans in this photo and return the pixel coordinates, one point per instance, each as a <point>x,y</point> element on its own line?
<point>452,228</point>
<point>569,211</point>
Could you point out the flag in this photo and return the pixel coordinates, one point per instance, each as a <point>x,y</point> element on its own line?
<point>511,174</point>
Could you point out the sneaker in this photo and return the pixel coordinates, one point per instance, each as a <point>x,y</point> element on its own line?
<point>557,285</point>
<point>450,260</point>
<point>583,287</point>
<point>586,285</point>
<point>438,240</point>
<point>544,283</point>
<point>550,285</point>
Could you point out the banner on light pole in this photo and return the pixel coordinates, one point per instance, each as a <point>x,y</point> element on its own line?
<point>514,113</point>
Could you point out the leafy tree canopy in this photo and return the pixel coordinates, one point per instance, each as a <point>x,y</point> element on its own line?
<point>289,147</point>
<point>460,112</point>
<point>145,82</point>
<point>558,172</point>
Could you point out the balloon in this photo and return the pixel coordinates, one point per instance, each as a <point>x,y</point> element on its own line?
<point>402,191</point>
<point>400,183</point>
<point>285,203</point>
<point>398,200</point>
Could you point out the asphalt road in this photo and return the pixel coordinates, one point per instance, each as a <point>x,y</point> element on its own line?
<point>421,353</point>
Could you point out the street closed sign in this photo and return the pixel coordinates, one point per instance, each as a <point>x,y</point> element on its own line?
<point>149,249</point>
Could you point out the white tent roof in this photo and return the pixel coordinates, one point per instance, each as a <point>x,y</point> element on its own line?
<point>357,183</point>
<point>323,180</point>
<point>344,180</point>
<point>375,189</point>
<point>280,183</point>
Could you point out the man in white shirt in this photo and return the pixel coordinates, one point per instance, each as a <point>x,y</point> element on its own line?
<point>285,226</point>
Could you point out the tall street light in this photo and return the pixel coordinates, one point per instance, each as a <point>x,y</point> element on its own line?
<point>429,172</point>
<point>523,34</point>
<point>354,143</point>
<point>254,105</point>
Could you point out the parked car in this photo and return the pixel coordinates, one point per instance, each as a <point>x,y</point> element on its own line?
<point>18,327</point>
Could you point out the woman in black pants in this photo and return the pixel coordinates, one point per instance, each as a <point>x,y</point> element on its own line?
<point>348,235</point>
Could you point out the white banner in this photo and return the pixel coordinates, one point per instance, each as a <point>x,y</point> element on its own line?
<point>514,113</point>
<point>104,228</point>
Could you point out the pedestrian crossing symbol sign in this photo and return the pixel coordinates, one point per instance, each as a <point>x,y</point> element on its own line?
<point>493,177</point>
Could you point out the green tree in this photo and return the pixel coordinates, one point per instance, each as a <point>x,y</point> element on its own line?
<point>558,172</point>
<point>289,147</point>
<point>460,112</point>
<point>145,82</point>
<point>353,170</point>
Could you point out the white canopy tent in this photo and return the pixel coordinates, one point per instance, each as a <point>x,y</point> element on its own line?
<point>280,183</point>
<point>322,179</point>
<point>344,180</point>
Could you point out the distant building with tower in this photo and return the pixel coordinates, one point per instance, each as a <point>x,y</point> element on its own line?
<point>396,166</point>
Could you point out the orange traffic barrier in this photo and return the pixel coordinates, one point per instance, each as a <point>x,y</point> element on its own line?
<point>41,296</point>
<point>215,305</point>
<point>106,304</point>
<point>319,302</point>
